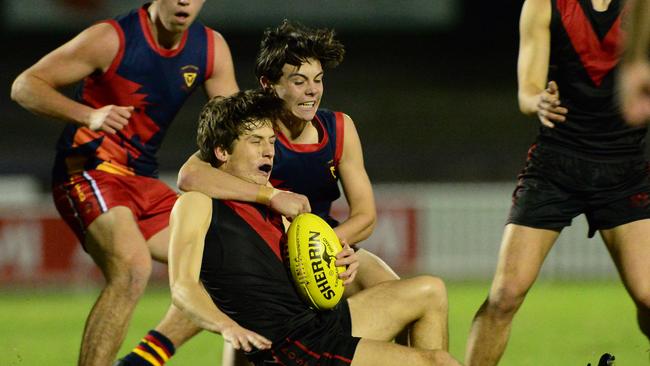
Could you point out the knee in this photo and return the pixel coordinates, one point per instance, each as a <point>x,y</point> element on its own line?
<point>433,290</point>
<point>642,300</point>
<point>130,278</point>
<point>438,357</point>
<point>505,300</point>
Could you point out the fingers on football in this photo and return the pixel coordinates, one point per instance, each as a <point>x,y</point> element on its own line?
<point>346,255</point>
<point>350,273</point>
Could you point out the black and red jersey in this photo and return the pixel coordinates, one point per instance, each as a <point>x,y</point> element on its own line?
<point>244,273</point>
<point>585,50</point>
<point>154,80</point>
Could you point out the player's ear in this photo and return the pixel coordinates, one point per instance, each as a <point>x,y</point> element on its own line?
<point>221,154</point>
<point>266,83</point>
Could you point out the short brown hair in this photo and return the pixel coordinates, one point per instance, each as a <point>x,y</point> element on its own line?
<point>293,43</point>
<point>224,119</point>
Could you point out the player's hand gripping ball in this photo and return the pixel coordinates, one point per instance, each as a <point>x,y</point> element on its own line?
<point>311,252</point>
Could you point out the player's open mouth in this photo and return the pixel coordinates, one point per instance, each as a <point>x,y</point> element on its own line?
<point>266,168</point>
<point>307,104</point>
<point>182,15</point>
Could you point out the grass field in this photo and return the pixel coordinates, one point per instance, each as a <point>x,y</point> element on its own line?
<point>559,324</point>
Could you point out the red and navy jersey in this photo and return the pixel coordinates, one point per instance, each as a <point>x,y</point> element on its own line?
<point>585,50</point>
<point>154,80</point>
<point>312,169</point>
<point>244,273</point>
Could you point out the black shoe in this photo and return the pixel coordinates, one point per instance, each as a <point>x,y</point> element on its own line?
<point>605,360</point>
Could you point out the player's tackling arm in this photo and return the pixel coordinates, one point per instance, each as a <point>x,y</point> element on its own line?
<point>93,50</point>
<point>357,188</point>
<point>223,81</point>
<point>189,222</point>
<point>198,175</point>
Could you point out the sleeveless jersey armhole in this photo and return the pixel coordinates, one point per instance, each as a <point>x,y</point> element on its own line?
<point>209,63</point>
<point>340,135</point>
<point>120,52</point>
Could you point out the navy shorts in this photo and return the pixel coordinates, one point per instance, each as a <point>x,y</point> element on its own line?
<point>324,341</point>
<point>554,187</point>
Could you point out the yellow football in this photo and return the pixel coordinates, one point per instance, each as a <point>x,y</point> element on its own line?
<point>311,252</point>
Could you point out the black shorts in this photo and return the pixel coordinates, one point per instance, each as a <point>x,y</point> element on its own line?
<point>554,187</point>
<point>325,341</point>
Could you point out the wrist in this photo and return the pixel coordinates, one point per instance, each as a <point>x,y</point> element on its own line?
<point>92,122</point>
<point>264,195</point>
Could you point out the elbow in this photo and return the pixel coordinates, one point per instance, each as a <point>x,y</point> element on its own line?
<point>19,89</point>
<point>185,180</point>
<point>372,223</point>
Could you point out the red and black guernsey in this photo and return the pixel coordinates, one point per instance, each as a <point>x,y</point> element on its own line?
<point>154,80</point>
<point>585,50</point>
<point>312,169</point>
<point>244,273</point>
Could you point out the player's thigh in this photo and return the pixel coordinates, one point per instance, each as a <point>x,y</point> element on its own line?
<point>629,246</point>
<point>159,245</point>
<point>233,357</point>
<point>382,311</point>
<point>522,253</point>
<point>379,353</point>
<point>115,242</point>
<point>372,271</point>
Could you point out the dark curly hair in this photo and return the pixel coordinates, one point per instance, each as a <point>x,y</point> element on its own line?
<point>224,119</point>
<point>293,43</point>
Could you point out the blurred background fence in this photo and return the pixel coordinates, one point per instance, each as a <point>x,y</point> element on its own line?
<point>451,230</point>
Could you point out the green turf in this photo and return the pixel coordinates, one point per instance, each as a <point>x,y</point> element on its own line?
<point>559,324</point>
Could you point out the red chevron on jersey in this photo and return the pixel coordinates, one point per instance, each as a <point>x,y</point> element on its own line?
<point>598,57</point>
<point>269,227</point>
<point>155,81</point>
<point>139,125</point>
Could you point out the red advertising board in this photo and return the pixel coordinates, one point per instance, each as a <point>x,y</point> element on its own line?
<point>36,246</point>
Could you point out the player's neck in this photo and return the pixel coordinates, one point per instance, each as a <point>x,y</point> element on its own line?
<point>161,35</point>
<point>600,5</point>
<point>300,131</point>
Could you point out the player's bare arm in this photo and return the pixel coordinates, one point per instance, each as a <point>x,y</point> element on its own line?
<point>198,175</point>
<point>634,75</point>
<point>93,50</point>
<point>222,82</point>
<point>189,222</point>
<point>357,188</point>
<point>536,95</point>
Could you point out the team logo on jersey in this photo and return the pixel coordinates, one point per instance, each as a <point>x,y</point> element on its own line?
<point>189,73</point>
<point>332,167</point>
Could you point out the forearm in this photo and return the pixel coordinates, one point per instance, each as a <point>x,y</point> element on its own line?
<point>356,228</point>
<point>42,99</point>
<point>200,176</point>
